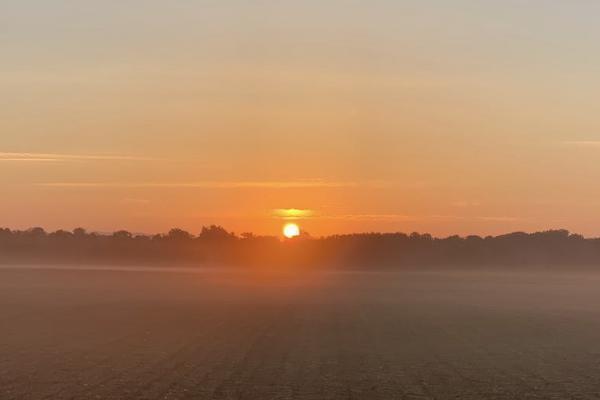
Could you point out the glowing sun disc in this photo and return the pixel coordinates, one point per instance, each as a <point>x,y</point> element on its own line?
<point>291,231</point>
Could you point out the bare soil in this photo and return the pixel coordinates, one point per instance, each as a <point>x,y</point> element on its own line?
<point>181,334</point>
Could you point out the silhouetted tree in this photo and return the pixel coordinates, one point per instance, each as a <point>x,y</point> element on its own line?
<point>178,234</point>
<point>36,232</point>
<point>122,235</point>
<point>79,232</point>
<point>216,246</point>
<point>215,232</point>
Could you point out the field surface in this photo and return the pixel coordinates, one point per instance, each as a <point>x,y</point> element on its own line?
<point>180,334</point>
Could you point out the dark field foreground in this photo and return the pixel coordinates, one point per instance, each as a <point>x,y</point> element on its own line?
<point>98,334</point>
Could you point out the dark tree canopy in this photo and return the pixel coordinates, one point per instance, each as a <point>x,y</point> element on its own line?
<point>217,246</point>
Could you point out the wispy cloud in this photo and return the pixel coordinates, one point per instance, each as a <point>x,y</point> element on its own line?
<point>53,157</point>
<point>206,184</point>
<point>16,159</point>
<point>499,218</point>
<point>372,217</point>
<point>412,218</point>
<point>583,143</point>
<point>293,213</point>
<point>313,214</point>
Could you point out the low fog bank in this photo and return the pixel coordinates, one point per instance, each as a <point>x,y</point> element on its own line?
<point>215,247</point>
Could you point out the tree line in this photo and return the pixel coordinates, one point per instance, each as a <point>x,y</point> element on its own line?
<point>215,246</point>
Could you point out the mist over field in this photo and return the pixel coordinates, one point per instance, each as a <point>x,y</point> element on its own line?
<point>180,333</point>
<point>299,200</point>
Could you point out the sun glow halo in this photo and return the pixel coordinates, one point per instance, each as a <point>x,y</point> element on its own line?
<point>291,231</point>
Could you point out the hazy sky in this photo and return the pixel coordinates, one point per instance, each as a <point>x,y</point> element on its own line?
<point>440,116</point>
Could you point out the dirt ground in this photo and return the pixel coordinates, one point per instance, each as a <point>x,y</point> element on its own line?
<point>123,334</point>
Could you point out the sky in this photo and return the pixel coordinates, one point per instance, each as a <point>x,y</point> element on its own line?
<point>447,117</point>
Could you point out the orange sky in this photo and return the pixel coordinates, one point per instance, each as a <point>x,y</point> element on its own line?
<point>459,117</point>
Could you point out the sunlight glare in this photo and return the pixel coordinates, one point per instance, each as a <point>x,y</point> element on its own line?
<point>291,231</point>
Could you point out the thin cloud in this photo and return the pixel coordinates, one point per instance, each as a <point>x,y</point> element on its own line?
<point>412,218</point>
<point>312,214</point>
<point>368,217</point>
<point>206,184</point>
<point>52,157</point>
<point>30,159</point>
<point>377,217</point>
<point>500,219</point>
<point>583,143</point>
<point>293,213</point>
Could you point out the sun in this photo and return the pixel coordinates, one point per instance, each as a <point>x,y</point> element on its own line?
<point>291,231</point>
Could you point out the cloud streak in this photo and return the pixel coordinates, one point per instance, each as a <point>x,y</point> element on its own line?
<point>293,213</point>
<point>583,143</point>
<point>412,218</point>
<point>54,157</point>
<point>206,184</point>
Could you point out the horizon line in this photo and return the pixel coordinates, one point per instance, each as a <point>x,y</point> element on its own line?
<point>362,233</point>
